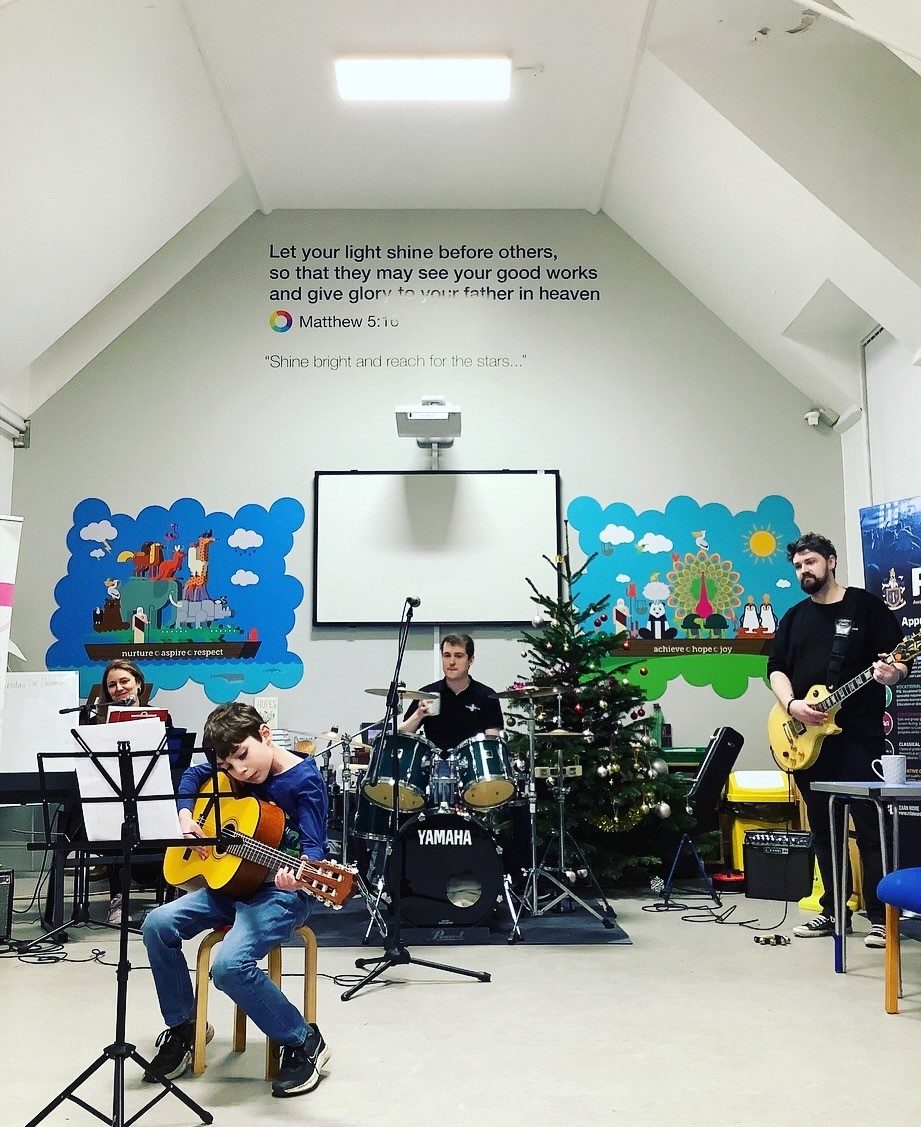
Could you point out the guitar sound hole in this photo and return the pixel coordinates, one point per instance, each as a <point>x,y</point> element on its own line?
<point>226,827</point>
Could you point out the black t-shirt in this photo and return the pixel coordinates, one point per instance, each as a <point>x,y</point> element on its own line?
<point>462,715</point>
<point>802,648</point>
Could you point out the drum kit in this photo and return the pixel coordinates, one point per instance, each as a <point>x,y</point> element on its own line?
<point>448,805</point>
<point>452,865</point>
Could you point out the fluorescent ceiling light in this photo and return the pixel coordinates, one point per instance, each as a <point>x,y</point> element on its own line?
<point>424,80</point>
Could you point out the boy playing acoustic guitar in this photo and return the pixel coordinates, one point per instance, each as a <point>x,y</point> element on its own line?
<point>243,745</point>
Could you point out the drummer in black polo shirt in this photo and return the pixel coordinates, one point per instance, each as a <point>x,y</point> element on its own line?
<point>468,707</point>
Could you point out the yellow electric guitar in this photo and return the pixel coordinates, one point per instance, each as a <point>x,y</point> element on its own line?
<point>796,746</point>
<point>251,831</point>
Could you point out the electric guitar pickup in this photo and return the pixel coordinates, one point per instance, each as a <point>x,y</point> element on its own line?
<point>796,746</point>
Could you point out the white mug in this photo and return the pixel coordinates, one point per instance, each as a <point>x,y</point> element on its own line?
<point>434,706</point>
<point>891,768</point>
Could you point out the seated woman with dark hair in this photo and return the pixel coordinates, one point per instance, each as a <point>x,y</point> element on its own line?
<point>122,683</point>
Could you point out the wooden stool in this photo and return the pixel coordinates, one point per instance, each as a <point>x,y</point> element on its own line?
<point>203,981</point>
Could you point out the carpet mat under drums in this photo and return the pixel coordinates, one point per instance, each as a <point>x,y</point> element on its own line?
<point>347,927</point>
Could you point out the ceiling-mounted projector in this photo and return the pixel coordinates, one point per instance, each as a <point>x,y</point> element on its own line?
<point>433,422</point>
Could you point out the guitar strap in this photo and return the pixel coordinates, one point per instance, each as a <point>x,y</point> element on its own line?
<point>843,628</point>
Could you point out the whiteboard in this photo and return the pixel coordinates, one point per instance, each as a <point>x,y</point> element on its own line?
<point>31,721</point>
<point>461,542</point>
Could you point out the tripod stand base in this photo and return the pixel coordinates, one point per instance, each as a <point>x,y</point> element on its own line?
<point>118,1054</point>
<point>687,845</point>
<point>398,956</point>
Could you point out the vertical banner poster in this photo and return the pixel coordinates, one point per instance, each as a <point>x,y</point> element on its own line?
<point>891,536</point>
<point>10,528</point>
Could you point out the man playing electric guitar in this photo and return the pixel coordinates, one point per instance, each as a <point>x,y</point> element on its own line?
<point>243,745</point>
<point>825,640</point>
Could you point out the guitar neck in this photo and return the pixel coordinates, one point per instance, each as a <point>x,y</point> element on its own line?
<point>847,689</point>
<point>272,859</point>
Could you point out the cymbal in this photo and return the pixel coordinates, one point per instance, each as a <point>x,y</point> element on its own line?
<point>407,694</point>
<point>527,692</point>
<point>558,734</point>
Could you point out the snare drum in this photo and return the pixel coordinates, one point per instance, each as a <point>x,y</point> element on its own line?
<point>414,754</point>
<point>443,784</point>
<point>484,771</point>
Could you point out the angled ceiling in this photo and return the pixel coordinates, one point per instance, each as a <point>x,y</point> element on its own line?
<point>136,136</point>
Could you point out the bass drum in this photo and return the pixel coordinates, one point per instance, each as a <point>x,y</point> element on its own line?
<point>452,871</point>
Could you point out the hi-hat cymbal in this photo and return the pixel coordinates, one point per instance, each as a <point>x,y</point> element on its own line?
<point>527,692</point>
<point>558,734</point>
<point>407,694</point>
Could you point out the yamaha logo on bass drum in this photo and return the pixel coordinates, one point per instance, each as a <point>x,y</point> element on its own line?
<point>445,837</point>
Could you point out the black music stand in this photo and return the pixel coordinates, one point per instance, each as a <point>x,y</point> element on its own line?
<point>126,792</point>
<point>703,802</point>
<point>395,954</point>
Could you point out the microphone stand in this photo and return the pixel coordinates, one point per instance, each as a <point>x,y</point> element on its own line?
<point>395,954</point>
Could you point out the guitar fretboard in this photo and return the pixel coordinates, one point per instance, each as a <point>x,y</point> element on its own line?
<point>845,690</point>
<point>273,859</point>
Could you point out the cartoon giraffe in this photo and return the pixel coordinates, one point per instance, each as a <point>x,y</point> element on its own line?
<point>196,588</point>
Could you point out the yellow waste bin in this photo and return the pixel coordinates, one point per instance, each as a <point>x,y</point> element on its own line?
<point>757,800</point>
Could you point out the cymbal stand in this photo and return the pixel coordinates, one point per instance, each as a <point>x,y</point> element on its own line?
<point>529,898</point>
<point>557,781</point>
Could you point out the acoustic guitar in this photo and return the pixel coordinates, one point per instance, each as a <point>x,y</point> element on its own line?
<point>251,831</point>
<point>795,745</point>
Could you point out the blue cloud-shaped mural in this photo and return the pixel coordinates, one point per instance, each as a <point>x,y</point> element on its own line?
<point>190,595</point>
<point>690,582</point>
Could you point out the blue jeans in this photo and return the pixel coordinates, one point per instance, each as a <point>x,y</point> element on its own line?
<point>264,921</point>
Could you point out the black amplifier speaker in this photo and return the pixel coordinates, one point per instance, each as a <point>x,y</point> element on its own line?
<point>779,864</point>
<point>6,904</point>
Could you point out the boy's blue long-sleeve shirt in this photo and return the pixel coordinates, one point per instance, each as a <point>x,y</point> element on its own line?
<point>300,792</point>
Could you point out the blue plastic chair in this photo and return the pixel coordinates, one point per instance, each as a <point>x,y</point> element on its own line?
<point>900,890</point>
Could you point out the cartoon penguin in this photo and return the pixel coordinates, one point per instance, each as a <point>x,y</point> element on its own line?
<point>750,621</point>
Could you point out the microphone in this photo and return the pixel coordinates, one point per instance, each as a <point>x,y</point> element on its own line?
<point>413,601</point>
<point>78,708</point>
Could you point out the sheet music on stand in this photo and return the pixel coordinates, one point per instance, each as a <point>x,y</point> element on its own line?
<point>98,780</point>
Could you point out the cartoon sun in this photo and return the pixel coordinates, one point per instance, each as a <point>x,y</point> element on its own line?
<point>762,543</point>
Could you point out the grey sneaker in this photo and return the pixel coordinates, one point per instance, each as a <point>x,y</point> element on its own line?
<point>876,937</point>
<point>818,927</point>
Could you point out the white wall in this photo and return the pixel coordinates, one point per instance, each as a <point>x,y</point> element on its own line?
<point>894,413</point>
<point>112,141</point>
<point>638,397</point>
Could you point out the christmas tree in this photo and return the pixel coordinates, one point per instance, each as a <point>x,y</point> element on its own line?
<point>624,809</point>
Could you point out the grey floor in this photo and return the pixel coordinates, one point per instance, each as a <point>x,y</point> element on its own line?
<point>693,1024</point>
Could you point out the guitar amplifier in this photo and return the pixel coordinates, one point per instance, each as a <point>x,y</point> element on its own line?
<point>6,904</point>
<point>779,864</point>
